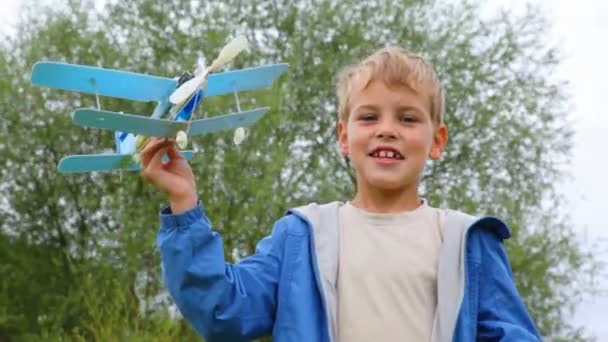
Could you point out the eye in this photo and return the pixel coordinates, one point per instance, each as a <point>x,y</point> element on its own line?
<point>368,116</point>
<point>408,118</point>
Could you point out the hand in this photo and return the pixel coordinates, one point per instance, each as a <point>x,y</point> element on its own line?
<point>175,177</point>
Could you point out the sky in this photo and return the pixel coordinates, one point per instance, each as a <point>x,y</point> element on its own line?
<point>580,29</point>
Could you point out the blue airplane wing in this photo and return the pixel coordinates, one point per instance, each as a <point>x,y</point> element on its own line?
<point>244,79</point>
<point>226,121</point>
<point>103,162</point>
<point>142,87</point>
<point>103,82</point>
<point>138,124</point>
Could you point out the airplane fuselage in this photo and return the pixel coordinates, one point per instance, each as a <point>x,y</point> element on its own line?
<point>125,142</point>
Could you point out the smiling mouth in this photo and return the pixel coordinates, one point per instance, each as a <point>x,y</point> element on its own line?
<point>386,154</point>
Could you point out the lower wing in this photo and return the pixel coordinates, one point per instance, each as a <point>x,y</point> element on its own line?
<point>103,162</point>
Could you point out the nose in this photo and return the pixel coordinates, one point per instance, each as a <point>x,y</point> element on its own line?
<point>386,130</point>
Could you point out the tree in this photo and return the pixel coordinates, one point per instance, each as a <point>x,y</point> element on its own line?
<point>504,109</point>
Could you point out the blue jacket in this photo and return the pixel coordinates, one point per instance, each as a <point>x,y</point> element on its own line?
<point>287,288</point>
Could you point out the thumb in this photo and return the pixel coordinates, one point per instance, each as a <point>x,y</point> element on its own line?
<point>153,170</point>
<point>173,153</point>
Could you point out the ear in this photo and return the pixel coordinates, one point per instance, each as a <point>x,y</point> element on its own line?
<point>343,137</point>
<point>440,139</point>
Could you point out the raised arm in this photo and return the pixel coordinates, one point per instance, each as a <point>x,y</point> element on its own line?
<point>223,302</point>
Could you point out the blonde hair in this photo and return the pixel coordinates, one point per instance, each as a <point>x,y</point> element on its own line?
<point>394,66</point>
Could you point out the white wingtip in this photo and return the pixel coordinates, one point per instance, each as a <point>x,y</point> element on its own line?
<point>181,139</point>
<point>239,135</point>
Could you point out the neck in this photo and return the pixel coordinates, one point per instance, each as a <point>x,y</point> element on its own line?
<point>387,201</point>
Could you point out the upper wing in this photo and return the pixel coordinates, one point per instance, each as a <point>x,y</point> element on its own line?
<point>243,79</point>
<point>103,82</point>
<point>142,87</point>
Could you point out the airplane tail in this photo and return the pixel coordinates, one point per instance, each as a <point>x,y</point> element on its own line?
<point>125,142</point>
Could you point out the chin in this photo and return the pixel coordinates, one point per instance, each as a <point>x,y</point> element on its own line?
<point>388,184</point>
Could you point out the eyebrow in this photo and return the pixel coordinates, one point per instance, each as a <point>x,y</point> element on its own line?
<point>399,109</point>
<point>366,107</point>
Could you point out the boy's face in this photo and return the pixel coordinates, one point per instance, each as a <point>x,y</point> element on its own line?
<point>389,135</point>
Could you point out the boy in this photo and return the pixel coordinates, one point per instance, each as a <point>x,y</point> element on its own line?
<point>385,266</point>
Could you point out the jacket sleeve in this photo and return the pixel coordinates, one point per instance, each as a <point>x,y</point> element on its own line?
<point>502,314</point>
<point>223,302</point>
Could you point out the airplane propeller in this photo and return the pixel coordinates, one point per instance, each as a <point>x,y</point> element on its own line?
<point>188,88</point>
<point>228,53</point>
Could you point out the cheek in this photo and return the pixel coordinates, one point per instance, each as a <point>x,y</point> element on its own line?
<point>354,135</point>
<point>358,142</point>
<point>420,143</point>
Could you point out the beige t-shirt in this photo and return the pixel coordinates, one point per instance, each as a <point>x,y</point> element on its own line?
<point>387,276</point>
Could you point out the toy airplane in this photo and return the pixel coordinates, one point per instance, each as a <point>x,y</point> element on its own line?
<point>176,101</point>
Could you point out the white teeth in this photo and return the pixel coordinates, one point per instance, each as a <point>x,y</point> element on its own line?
<point>387,154</point>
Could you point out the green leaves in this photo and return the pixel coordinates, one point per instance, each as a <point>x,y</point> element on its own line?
<point>82,236</point>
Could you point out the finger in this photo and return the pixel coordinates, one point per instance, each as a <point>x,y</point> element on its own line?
<point>155,164</point>
<point>173,152</point>
<point>153,142</point>
<point>151,148</point>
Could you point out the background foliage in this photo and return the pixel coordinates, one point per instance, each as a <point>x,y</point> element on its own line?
<point>77,252</point>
